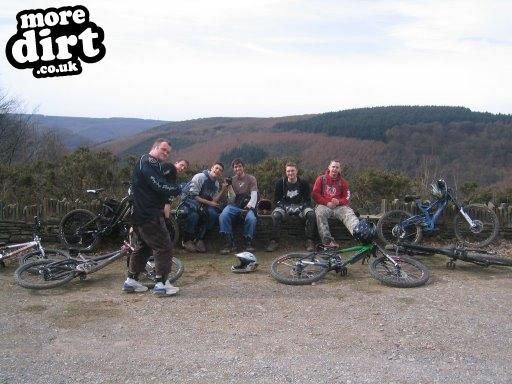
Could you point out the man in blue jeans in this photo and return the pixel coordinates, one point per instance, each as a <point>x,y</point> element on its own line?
<point>202,197</point>
<point>242,199</point>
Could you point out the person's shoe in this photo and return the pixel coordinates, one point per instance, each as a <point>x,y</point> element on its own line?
<point>165,290</point>
<point>248,245</point>
<point>189,246</point>
<point>310,245</point>
<point>131,285</point>
<point>272,246</point>
<point>331,244</point>
<point>229,245</point>
<point>200,246</point>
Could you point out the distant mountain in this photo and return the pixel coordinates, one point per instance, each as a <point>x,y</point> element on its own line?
<point>76,131</point>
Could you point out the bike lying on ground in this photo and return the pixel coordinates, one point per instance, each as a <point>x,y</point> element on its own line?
<point>81,229</point>
<point>306,268</point>
<point>475,256</point>
<point>45,274</point>
<point>475,225</point>
<point>30,250</point>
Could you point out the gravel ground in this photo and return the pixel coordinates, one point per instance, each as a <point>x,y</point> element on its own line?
<point>232,328</point>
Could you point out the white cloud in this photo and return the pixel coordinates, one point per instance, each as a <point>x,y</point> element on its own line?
<point>187,59</point>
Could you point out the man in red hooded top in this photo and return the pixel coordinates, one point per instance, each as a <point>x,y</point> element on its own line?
<point>332,196</point>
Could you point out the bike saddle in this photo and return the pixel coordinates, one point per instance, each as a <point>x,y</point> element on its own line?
<point>95,191</point>
<point>411,198</point>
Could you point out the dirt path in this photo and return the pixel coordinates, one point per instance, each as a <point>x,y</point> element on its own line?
<point>231,328</point>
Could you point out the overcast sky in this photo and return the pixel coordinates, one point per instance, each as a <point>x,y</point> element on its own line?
<point>177,60</point>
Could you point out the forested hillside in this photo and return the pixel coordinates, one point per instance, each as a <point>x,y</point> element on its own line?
<point>373,123</point>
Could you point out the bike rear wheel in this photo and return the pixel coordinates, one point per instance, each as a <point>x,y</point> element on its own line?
<point>486,230</point>
<point>50,254</point>
<point>486,260</point>
<point>79,229</point>
<point>389,229</point>
<point>408,273</point>
<point>45,274</point>
<point>148,277</point>
<point>298,268</point>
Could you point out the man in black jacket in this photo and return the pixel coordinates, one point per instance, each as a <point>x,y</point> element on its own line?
<point>150,191</point>
<point>292,197</point>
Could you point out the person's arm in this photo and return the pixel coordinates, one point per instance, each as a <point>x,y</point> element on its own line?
<point>306,193</point>
<point>254,194</point>
<point>151,172</point>
<point>278,193</point>
<point>345,194</point>
<point>223,189</point>
<point>318,193</point>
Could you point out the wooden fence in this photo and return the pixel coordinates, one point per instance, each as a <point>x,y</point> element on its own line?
<point>16,222</point>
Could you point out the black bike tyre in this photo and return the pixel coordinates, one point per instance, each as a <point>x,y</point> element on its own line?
<point>68,225</point>
<point>50,254</point>
<point>29,268</point>
<point>380,271</point>
<point>486,260</point>
<point>276,274</point>
<point>464,234</point>
<point>389,220</point>
<point>148,277</point>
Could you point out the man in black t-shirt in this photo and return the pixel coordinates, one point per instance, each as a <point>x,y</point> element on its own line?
<point>150,191</point>
<point>292,197</point>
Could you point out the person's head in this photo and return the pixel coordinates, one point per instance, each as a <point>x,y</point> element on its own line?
<point>291,172</point>
<point>216,170</point>
<point>181,165</point>
<point>238,167</point>
<point>334,168</point>
<point>161,149</point>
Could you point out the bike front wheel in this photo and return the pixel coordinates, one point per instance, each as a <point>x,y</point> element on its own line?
<point>484,231</point>
<point>79,229</point>
<point>486,260</point>
<point>403,273</point>
<point>51,254</point>
<point>45,274</point>
<point>390,228</point>
<point>298,268</point>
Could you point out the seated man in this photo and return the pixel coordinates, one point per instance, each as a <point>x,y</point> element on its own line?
<point>332,195</point>
<point>242,198</point>
<point>202,199</point>
<point>292,197</point>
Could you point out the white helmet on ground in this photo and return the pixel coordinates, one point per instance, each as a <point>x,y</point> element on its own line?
<point>247,264</point>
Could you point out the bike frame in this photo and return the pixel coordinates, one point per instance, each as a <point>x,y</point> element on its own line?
<point>361,251</point>
<point>93,264</point>
<point>20,248</point>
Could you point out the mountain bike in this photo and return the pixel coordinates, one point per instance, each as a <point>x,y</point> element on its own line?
<point>46,274</point>
<point>305,268</point>
<point>475,225</point>
<point>30,250</point>
<point>454,252</point>
<point>81,229</point>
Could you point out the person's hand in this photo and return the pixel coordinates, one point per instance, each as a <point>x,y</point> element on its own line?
<point>335,201</point>
<point>330,205</point>
<point>214,204</point>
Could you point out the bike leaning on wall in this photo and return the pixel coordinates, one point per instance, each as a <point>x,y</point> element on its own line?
<point>475,225</point>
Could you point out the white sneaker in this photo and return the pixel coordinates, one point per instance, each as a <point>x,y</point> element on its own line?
<point>131,285</point>
<point>165,290</point>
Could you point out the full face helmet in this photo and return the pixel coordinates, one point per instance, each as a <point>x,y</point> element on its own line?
<point>438,188</point>
<point>247,263</point>
<point>364,231</point>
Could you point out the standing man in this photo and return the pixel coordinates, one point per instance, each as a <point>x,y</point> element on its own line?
<point>242,198</point>
<point>150,191</point>
<point>202,199</point>
<point>332,195</point>
<point>292,197</point>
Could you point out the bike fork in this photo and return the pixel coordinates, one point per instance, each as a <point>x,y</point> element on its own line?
<point>466,216</point>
